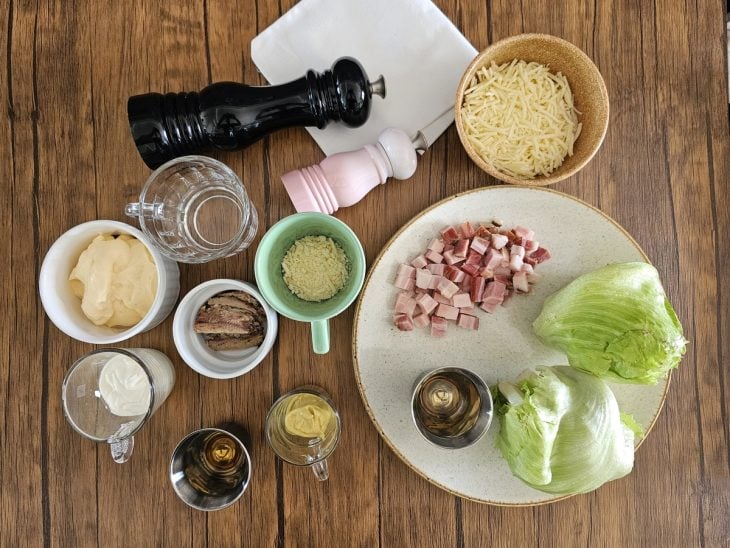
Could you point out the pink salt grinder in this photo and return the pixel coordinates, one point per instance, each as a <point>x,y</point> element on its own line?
<point>345,178</point>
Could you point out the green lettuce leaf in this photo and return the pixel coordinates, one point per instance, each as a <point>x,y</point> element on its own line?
<point>615,322</point>
<point>561,431</point>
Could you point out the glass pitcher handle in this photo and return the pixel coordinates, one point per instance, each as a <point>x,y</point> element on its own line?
<point>122,449</point>
<point>321,470</point>
<point>132,209</point>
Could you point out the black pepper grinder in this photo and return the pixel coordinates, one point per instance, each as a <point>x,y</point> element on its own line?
<point>229,115</point>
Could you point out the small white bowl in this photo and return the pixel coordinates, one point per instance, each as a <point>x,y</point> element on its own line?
<point>220,364</point>
<point>64,308</point>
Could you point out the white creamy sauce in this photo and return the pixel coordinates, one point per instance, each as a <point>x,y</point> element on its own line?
<point>125,387</point>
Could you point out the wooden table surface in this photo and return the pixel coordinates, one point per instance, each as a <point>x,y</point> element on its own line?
<point>67,157</point>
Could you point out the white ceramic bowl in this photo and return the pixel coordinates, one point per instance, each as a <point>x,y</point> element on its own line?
<point>222,364</point>
<point>64,308</point>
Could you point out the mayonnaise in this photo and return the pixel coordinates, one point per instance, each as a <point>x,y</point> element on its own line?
<point>308,416</point>
<point>116,280</point>
<point>125,387</point>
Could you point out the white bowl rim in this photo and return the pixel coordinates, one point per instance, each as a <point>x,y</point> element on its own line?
<point>45,287</point>
<point>223,284</point>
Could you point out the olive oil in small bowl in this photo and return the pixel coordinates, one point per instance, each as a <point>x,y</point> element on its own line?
<point>451,407</point>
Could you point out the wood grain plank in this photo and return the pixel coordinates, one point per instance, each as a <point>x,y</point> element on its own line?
<point>63,151</point>
<point>22,339</point>
<point>246,399</point>
<point>153,53</point>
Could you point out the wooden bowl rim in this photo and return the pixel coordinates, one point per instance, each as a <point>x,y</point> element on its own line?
<point>478,62</point>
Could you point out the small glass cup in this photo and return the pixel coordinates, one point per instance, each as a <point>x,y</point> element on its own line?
<point>195,209</point>
<point>111,406</point>
<point>298,450</point>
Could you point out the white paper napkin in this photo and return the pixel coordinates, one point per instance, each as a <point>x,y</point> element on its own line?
<point>411,42</point>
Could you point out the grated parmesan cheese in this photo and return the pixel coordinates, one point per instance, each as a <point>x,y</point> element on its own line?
<point>520,118</point>
<point>315,268</point>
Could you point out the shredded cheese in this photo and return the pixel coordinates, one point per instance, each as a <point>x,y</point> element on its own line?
<point>520,118</point>
<point>315,268</point>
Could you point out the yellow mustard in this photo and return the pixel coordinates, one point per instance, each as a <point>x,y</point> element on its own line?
<point>308,416</point>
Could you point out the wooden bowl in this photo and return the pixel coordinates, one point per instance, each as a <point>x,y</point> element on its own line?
<point>589,95</point>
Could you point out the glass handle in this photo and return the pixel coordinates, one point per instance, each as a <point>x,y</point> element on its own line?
<point>122,449</point>
<point>132,210</point>
<point>321,470</point>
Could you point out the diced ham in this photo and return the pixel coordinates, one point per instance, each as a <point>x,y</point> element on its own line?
<point>438,326</point>
<point>540,255</point>
<point>406,306</point>
<point>494,293</point>
<point>474,258</point>
<point>461,248</point>
<point>501,278</point>
<point>461,300</point>
<point>519,280</point>
<point>505,257</point>
<point>434,257</point>
<point>492,259</point>
<point>480,245</point>
<point>471,269</point>
<point>447,288</point>
<point>435,281</point>
<point>515,263</point>
<point>449,234</point>
<point>422,320</point>
<point>455,274</point>
<point>436,245</point>
<point>523,232</point>
<point>463,268</point>
<point>507,296</point>
<point>465,285</point>
<point>467,230</point>
<point>468,322</point>
<point>483,232</point>
<point>403,322</point>
<point>502,271</point>
<point>439,298</point>
<point>436,269</point>
<point>423,278</point>
<point>477,289</point>
<point>404,282</point>
<point>498,241</point>
<point>451,259</point>
<point>419,262</point>
<point>405,270</point>
<point>401,298</point>
<point>426,303</point>
<point>489,306</point>
<point>447,311</point>
<point>533,277</point>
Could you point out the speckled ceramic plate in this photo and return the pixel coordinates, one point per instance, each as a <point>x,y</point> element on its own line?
<point>387,361</point>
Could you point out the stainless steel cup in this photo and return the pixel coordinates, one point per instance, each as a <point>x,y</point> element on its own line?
<point>451,407</point>
<point>210,469</point>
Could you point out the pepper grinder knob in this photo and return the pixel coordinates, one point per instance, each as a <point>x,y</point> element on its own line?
<point>343,179</point>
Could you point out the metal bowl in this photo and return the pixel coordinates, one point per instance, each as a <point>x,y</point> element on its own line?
<point>439,399</point>
<point>181,469</point>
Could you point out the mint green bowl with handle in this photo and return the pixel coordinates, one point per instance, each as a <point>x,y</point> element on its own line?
<point>270,277</point>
